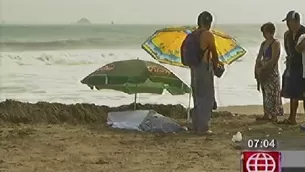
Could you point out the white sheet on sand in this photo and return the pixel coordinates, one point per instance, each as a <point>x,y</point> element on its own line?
<point>130,120</point>
<point>143,120</point>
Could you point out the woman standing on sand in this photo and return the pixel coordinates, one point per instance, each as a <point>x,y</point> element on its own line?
<point>267,74</point>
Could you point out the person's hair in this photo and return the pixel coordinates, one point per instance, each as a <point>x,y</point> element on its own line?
<point>204,19</point>
<point>268,27</point>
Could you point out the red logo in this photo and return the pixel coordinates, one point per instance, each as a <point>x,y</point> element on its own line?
<point>260,161</point>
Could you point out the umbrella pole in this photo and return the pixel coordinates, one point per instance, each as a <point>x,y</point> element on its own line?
<point>135,100</point>
<point>189,108</point>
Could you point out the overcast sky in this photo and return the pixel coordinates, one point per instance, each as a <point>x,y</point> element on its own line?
<point>145,11</point>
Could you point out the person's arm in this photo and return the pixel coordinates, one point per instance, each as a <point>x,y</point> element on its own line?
<point>259,56</point>
<point>276,51</point>
<point>300,47</point>
<point>207,40</point>
<point>285,42</point>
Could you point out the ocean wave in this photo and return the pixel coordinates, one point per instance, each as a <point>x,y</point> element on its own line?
<point>66,44</point>
<point>72,57</point>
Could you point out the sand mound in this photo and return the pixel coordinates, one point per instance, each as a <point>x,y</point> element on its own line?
<point>19,112</point>
<point>12,111</point>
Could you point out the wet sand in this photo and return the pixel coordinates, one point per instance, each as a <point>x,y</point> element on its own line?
<point>55,137</point>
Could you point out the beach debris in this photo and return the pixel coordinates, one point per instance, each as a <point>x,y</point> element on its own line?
<point>279,133</point>
<point>267,135</point>
<point>302,127</point>
<point>237,137</point>
<point>280,129</point>
<point>249,129</point>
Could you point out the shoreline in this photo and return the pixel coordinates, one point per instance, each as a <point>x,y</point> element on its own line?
<point>255,109</point>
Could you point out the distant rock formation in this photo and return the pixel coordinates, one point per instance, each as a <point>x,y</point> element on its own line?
<point>83,21</point>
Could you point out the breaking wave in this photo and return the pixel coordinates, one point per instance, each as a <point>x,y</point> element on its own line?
<point>72,57</point>
<point>67,44</point>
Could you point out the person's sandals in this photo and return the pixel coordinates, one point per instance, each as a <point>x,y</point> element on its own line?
<point>287,122</point>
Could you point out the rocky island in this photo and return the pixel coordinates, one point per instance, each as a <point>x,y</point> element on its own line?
<point>83,21</point>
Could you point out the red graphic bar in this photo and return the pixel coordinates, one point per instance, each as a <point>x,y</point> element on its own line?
<point>258,161</point>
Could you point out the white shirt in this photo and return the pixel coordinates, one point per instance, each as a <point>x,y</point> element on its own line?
<point>302,37</point>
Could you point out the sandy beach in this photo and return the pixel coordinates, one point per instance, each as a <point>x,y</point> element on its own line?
<point>75,138</point>
<point>50,121</point>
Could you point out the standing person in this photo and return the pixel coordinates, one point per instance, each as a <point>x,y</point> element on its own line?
<point>202,75</point>
<point>267,73</point>
<point>294,81</point>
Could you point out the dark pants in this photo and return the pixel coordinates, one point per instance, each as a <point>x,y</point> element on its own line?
<point>202,83</point>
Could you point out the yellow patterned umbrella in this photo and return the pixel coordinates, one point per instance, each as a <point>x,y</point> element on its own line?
<point>164,45</point>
